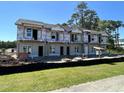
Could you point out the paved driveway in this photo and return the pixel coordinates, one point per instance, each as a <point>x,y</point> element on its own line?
<point>113,84</point>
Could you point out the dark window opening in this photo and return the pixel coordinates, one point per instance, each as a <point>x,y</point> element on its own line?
<point>99,39</point>
<point>89,38</point>
<point>53,37</point>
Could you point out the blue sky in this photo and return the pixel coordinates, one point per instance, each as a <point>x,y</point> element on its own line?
<point>51,12</point>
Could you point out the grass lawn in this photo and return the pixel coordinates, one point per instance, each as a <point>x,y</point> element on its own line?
<point>46,80</point>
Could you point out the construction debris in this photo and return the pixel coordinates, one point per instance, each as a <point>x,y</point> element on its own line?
<point>6,60</point>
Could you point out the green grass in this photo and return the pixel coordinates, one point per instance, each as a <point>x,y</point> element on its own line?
<point>46,80</point>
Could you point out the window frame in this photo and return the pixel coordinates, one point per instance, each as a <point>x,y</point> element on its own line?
<point>28,34</point>
<point>27,49</point>
<point>76,49</point>
<point>52,50</point>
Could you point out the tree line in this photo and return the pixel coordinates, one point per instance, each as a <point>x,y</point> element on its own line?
<point>88,19</point>
<point>7,44</point>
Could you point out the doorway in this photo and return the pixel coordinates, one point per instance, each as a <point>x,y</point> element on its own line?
<point>35,34</point>
<point>61,50</point>
<point>89,38</point>
<point>68,51</point>
<point>40,51</point>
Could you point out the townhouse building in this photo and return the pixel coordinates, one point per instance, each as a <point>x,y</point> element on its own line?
<point>38,39</point>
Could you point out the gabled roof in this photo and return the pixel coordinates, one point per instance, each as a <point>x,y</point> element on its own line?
<point>73,29</point>
<point>76,29</point>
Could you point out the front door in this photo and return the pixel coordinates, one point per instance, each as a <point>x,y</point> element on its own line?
<point>61,50</point>
<point>40,51</point>
<point>68,51</point>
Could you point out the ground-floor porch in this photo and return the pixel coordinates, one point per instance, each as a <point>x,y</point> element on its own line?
<point>90,50</point>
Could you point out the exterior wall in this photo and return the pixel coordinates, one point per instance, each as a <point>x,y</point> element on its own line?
<point>20,32</point>
<point>66,37</point>
<point>39,34</point>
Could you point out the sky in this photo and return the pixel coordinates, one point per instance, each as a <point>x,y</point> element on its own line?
<point>52,12</point>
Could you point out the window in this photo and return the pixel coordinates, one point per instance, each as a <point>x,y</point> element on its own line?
<point>27,49</point>
<point>29,32</point>
<point>76,49</point>
<point>74,37</point>
<point>52,49</point>
<point>24,49</point>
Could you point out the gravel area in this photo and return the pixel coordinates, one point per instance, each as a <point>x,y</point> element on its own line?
<point>113,84</point>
